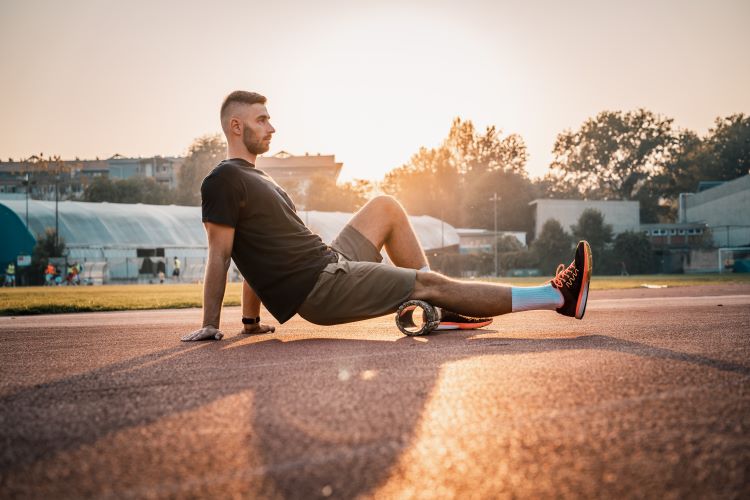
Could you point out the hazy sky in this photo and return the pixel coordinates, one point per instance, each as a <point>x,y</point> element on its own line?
<point>368,81</point>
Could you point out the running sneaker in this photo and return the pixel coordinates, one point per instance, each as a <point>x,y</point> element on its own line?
<point>573,282</point>
<point>450,320</point>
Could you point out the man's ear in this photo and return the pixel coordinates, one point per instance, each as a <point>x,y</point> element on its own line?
<point>235,126</point>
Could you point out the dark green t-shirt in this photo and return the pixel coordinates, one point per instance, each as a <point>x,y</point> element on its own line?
<point>276,253</point>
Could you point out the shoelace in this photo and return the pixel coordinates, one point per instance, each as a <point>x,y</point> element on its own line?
<point>565,276</point>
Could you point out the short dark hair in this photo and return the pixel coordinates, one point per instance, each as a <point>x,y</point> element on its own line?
<point>237,97</point>
<point>241,96</point>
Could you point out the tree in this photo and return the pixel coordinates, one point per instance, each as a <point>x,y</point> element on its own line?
<point>729,144</point>
<point>324,194</point>
<point>101,189</point>
<point>552,247</point>
<point>686,167</point>
<point>466,169</point>
<point>508,243</point>
<point>424,183</point>
<point>591,227</point>
<point>614,155</point>
<point>473,153</point>
<point>515,191</point>
<point>133,190</point>
<point>634,249</point>
<point>203,155</point>
<point>46,246</point>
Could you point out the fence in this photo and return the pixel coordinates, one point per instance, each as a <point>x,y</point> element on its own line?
<point>127,270</point>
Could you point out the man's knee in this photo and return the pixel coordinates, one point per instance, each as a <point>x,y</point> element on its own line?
<point>387,204</point>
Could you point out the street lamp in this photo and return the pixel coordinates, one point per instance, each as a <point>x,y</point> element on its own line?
<point>495,198</point>
<point>57,216</point>
<point>27,184</point>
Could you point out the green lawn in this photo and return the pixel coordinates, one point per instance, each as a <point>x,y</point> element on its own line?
<point>45,300</point>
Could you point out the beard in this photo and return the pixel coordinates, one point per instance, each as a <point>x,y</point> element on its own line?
<point>253,143</point>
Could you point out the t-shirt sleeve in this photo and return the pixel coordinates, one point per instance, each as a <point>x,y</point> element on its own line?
<point>220,200</point>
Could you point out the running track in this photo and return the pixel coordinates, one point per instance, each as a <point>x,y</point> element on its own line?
<point>648,396</point>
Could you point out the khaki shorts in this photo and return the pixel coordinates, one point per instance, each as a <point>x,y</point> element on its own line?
<point>359,286</point>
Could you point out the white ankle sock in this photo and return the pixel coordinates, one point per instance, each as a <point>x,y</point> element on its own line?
<point>529,298</point>
<point>424,268</point>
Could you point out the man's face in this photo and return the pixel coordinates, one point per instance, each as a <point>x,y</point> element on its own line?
<point>257,130</point>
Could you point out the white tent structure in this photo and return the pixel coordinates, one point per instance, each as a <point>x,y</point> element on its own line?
<point>132,242</point>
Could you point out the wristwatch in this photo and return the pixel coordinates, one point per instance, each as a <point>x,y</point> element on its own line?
<point>251,321</point>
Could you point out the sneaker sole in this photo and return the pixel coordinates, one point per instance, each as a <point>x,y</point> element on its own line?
<point>587,268</point>
<point>462,326</point>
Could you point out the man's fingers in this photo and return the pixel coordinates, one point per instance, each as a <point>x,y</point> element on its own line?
<point>203,334</point>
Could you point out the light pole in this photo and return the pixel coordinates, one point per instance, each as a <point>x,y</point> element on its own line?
<point>57,216</point>
<point>495,199</point>
<point>26,182</point>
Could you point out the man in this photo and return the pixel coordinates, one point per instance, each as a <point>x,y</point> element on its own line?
<point>176,269</point>
<point>10,274</point>
<point>250,219</point>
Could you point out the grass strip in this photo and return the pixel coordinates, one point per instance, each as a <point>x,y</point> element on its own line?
<point>66,299</point>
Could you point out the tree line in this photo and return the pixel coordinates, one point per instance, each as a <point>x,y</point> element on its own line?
<point>628,252</point>
<point>616,155</point>
<point>636,155</point>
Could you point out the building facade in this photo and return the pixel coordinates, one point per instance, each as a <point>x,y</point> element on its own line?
<point>724,208</point>
<point>42,177</point>
<point>288,169</point>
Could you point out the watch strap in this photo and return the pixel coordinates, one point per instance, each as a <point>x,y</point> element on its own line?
<point>250,321</point>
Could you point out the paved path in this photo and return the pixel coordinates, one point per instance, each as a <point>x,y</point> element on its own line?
<point>649,396</point>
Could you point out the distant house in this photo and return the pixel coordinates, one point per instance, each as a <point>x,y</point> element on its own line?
<point>482,240</point>
<point>285,167</point>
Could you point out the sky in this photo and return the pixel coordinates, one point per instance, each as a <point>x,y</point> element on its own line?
<point>369,81</point>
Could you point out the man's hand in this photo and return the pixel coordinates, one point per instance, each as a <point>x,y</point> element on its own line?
<point>258,328</point>
<point>205,333</point>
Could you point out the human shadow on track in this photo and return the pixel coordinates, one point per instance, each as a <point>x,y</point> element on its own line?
<point>329,415</point>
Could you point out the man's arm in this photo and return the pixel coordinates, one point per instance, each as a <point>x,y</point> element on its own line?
<point>251,309</point>
<point>220,240</point>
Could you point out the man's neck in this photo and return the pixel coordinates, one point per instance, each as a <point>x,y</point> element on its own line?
<point>241,153</point>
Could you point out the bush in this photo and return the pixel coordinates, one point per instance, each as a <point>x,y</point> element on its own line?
<point>522,259</point>
<point>553,246</point>
<point>634,249</point>
<point>44,249</point>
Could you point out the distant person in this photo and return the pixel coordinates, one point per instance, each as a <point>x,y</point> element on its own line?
<point>176,269</point>
<point>623,269</point>
<point>79,271</point>
<point>76,274</point>
<point>161,277</point>
<point>10,275</point>
<point>250,219</point>
<point>69,275</point>
<point>49,275</point>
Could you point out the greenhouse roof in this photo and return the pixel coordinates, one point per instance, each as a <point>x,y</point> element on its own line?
<point>149,226</point>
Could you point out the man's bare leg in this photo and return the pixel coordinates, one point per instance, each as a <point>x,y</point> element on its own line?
<point>567,292</point>
<point>384,222</point>
<point>466,297</point>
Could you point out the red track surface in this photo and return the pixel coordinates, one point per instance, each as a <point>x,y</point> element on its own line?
<point>647,396</point>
